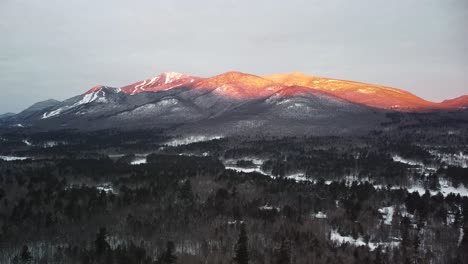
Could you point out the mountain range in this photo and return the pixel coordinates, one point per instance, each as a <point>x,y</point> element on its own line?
<point>231,103</point>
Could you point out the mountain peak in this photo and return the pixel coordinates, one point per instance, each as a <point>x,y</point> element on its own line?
<point>96,88</point>
<point>163,81</point>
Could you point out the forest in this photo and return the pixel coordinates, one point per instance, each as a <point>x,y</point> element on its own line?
<point>110,197</point>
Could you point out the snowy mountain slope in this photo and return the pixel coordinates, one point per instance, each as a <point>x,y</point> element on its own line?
<point>228,103</point>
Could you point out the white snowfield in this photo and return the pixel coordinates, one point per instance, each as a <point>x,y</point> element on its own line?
<point>269,208</point>
<point>445,190</point>
<point>139,161</point>
<point>319,215</point>
<point>339,240</point>
<point>12,158</point>
<point>191,139</point>
<point>387,214</point>
<point>106,187</point>
<point>97,96</point>
<point>455,159</point>
<point>400,159</point>
<point>301,177</point>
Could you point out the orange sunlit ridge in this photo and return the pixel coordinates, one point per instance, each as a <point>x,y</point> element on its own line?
<point>240,86</point>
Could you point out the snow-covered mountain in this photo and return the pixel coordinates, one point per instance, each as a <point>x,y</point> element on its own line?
<point>231,102</point>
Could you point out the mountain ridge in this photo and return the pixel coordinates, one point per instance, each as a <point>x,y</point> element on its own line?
<point>232,101</point>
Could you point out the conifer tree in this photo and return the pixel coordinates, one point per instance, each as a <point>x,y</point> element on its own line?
<point>25,255</point>
<point>242,254</point>
<point>169,256</point>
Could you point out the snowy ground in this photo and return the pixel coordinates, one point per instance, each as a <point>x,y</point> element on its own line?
<point>106,187</point>
<point>191,139</point>
<point>319,215</point>
<point>387,214</point>
<point>445,190</point>
<point>12,158</point>
<point>138,161</point>
<point>455,159</point>
<point>339,240</point>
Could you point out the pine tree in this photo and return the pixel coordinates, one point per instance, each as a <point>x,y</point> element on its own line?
<point>168,257</point>
<point>242,254</point>
<point>284,253</point>
<point>100,243</point>
<point>25,255</point>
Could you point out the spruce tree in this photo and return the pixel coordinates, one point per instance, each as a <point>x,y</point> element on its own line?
<point>284,253</point>
<point>100,243</point>
<point>25,255</point>
<point>169,256</point>
<point>242,254</point>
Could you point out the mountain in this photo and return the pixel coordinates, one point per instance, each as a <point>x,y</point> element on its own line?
<point>5,115</point>
<point>457,103</point>
<point>164,81</point>
<point>230,103</point>
<point>367,94</point>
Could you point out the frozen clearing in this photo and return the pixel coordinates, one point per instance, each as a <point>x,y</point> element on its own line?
<point>445,190</point>
<point>106,187</point>
<point>387,214</point>
<point>138,161</point>
<point>190,140</point>
<point>247,170</point>
<point>339,240</point>
<point>12,158</point>
<point>319,215</point>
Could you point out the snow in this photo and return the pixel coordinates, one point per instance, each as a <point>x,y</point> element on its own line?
<point>97,96</point>
<point>52,113</point>
<point>19,125</point>
<point>456,159</point>
<point>269,208</point>
<point>235,222</point>
<point>25,141</point>
<point>397,158</point>
<point>247,170</point>
<point>138,161</point>
<point>339,240</point>
<point>445,190</point>
<point>106,187</point>
<point>87,98</point>
<point>139,86</point>
<point>12,158</point>
<point>319,215</point>
<point>172,76</point>
<point>387,214</point>
<point>299,177</point>
<point>191,139</point>
<point>52,143</point>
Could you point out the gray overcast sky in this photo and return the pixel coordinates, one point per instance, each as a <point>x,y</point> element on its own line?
<point>58,49</point>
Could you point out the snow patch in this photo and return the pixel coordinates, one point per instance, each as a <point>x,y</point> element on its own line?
<point>138,161</point>
<point>339,240</point>
<point>190,140</point>
<point>269,208</point>
<point>106,187</point>
<point>319,215</point>
<point>387,214</point>
<point>52,113</point>
<point>12,158</point>
<point>400,159</point>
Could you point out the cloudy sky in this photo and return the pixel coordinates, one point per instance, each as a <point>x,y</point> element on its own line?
<point>57,49</point>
